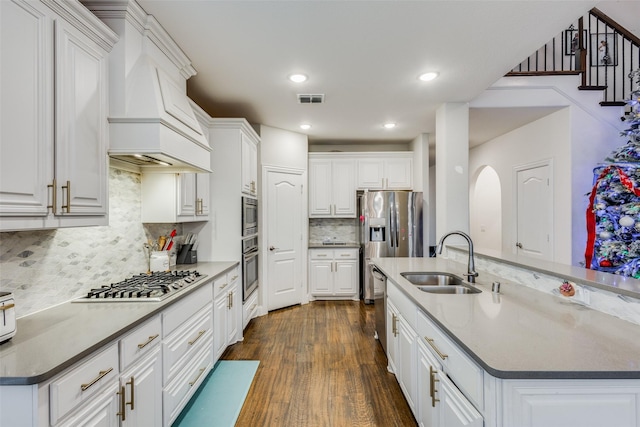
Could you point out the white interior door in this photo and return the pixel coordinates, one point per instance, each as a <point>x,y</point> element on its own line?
<point>283,237</point>
<point>534,214</point>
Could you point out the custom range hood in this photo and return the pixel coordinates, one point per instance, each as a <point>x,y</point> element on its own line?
<point>152,122</point>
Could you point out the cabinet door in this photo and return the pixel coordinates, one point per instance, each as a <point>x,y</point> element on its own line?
<point>249,165</point>
<point>427,407</point>
<point>143,392</point>
<point>234,309</point>
<point>371,174</point>
<point>320,186</point>
<point>343,188</point>
<point>345,278</point>
<point>220,321</point>
<point>321,277</point>
<point>100,411</point>
<point>81,123</point>
<point>406,362</point>
<point>186,195</point>
<point>203,197</point>
<point>455,409</point>
<point>26,108</point>
<point>392,335</point>
<point>398,174</point>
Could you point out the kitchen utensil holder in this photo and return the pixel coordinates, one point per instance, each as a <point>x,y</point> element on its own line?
<point>187,255</point>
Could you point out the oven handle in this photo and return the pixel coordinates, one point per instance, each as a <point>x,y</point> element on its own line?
<point>250,255</point>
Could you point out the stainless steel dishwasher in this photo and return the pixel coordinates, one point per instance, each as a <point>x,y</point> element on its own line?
<point>380,304</point>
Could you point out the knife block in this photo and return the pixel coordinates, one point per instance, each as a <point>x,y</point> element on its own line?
<point>187,255</point>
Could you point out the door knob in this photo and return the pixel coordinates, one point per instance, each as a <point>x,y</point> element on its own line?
<point>519,245</point>
<point>271,248</point>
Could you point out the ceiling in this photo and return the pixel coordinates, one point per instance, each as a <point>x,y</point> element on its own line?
<point>364,56</point>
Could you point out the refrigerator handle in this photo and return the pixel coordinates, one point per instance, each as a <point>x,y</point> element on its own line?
<point>393,226</point>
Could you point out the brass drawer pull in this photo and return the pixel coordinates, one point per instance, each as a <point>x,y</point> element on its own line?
<point>197,378</point>
<point>7,307</point>
<point>442,355</point>
<point>234,278</point>
<point>200,334</point>
<point>101,375</point>
<point>151,338</point>
<point>224,286</point>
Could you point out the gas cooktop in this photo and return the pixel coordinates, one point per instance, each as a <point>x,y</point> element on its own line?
<point>155,286</point>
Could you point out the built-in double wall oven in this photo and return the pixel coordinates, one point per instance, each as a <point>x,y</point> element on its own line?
<point>249,216</point>
<point>249,266</point>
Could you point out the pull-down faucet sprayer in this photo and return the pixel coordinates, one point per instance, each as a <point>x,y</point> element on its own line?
<point>471,266</point>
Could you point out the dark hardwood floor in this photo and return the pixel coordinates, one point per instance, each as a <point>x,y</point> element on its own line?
<point>319,366</point>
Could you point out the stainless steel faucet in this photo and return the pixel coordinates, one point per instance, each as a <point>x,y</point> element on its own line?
<point>471,266</point>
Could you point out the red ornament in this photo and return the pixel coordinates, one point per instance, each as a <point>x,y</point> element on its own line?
<point>605,263</point>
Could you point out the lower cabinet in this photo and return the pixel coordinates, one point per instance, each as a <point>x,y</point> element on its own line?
<point>428,366</point>
<point>333,273</point>
<point>227,311</point>
<point>102,410</point>
<point>249,309</point>
<point>141,392</point>
<point>401,347</point>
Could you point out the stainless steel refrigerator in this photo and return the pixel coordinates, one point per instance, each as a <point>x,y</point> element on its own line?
<point>390,226</point>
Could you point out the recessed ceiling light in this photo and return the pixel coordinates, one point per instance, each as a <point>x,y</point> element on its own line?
<point>428,76</point>
<point>298,78</point>
<point>389,125</point>
<point>305,126</point>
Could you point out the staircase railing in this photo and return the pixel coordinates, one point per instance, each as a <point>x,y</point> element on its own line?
<point>595,46</point>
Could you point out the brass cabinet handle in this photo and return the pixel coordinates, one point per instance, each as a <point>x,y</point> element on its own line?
<point>234,278</point>
<point>394,325</point>
<point>123,404</point>
<point>199,207</point>
<point>7,307</point>
<point>151,338</point>
<point>437,350</point>
<point>200,334</point>
<point>197,378</point>
<point>68,205</point>
<point>224,286</point>
<point>433,380</point>
<point>54,196</point>
<point>101,375</point>
<point>131,383</point>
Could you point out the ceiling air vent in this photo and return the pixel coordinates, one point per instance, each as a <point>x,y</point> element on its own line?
<point>310,98</point>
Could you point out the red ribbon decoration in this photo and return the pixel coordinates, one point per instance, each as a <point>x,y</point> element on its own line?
<point>591,214</point>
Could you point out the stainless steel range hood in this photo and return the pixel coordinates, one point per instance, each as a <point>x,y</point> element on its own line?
<point>152,123</point>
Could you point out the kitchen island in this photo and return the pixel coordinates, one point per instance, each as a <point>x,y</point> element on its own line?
<point>517,357</point>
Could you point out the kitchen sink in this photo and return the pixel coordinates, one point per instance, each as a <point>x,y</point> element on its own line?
<point>432,279</point>
<point>451,289</point>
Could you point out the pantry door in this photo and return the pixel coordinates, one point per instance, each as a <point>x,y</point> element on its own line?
<point>534,210</point>
<point>283,206</point>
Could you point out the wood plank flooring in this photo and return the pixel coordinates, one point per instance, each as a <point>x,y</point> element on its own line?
<point>320,365</point>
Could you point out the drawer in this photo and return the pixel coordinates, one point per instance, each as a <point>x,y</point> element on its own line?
<point>138,342</point>
<point>325,254</point>
<point>83,381</point>
<point>221,284</point>
<point>455,363</point>
<point>339,254</point>
<point>185,341</point>
<point>184,309</point>
<point>405,306</point>
<point>249,309</point>
<point>233,276</point>
<point>176,395</point>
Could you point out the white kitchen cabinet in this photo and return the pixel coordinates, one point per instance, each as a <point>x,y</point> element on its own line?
<point>332,191</point>
<point>427,411</point>
<point>53,147</point>
<point>227,311</point>
<point>249,309</point>
<point>101,411</point>
<point>249,164</point>
<point>455,408</point>
<point>141,386</point>
<point>385,171</point>
<point>175,197</point>
<point>333,273</point>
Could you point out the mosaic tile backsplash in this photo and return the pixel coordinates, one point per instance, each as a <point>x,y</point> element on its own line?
<point>342,229</point>
<point>47,267</point>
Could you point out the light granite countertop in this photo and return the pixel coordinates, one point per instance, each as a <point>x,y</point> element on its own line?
<point>49,341</point>
<point>522,333</point>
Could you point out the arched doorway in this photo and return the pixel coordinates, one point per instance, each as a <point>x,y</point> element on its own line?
<point>485,209</point>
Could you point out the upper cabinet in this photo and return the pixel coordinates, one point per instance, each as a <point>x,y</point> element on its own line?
<point>249,164</point>
<point>175,198</point>
<point>385,171</point>
<point>332,191</point>
<point>53,116</point>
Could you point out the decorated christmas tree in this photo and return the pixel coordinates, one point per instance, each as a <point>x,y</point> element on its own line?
<point>613,215</point>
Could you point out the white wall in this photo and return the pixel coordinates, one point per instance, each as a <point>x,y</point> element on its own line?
<point>485,205</point>
<point>280,147</point>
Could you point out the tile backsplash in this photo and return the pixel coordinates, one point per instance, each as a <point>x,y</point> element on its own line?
<point>44,268</point>
<point>343,229</point>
